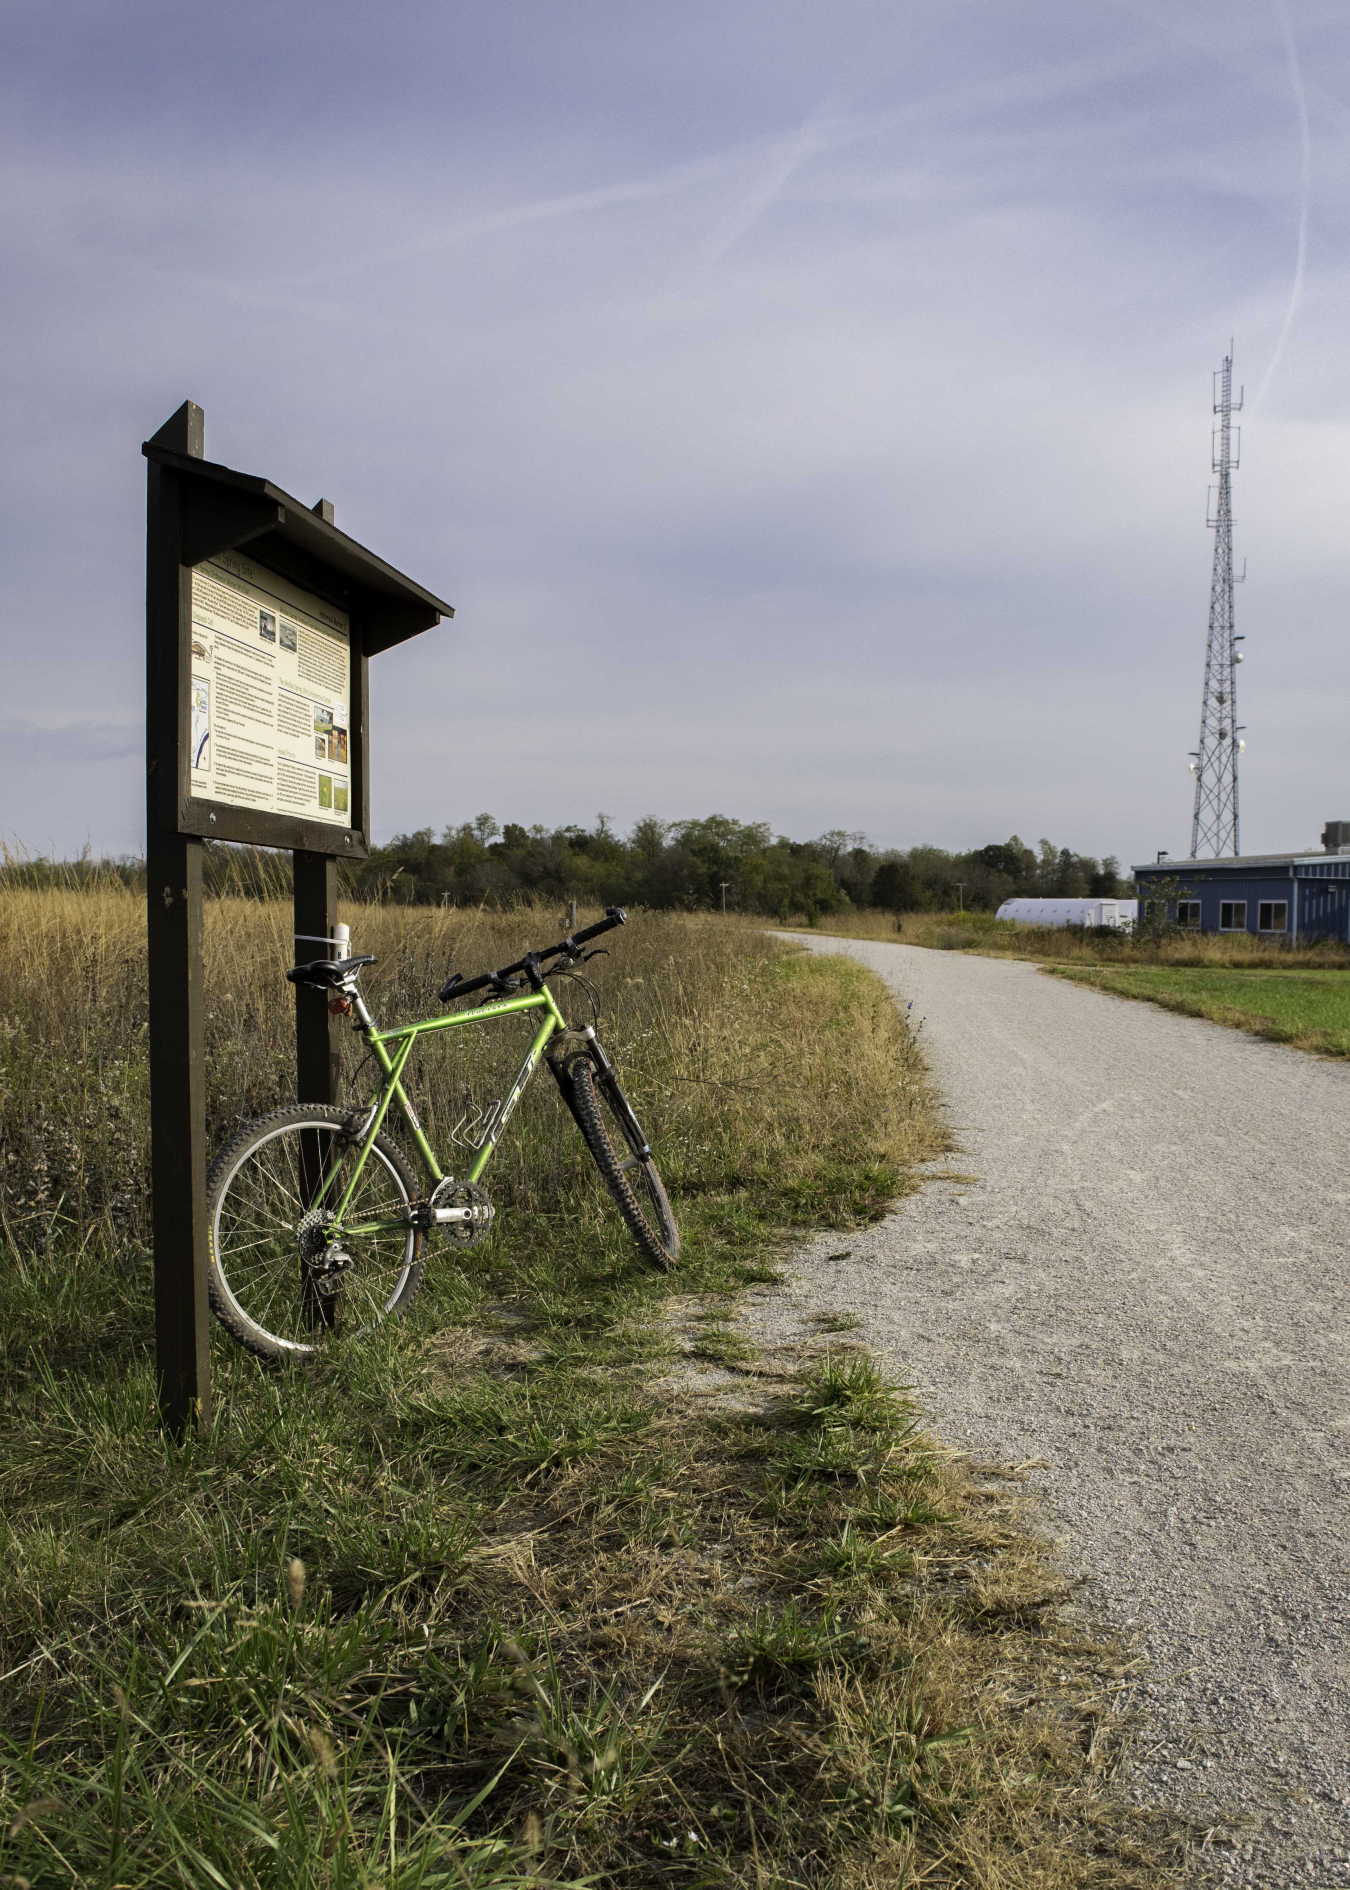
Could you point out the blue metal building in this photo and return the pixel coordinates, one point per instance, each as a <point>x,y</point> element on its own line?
<point>1289,896</point>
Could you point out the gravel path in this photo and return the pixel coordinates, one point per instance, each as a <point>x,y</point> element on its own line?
<point>1147,1288</point>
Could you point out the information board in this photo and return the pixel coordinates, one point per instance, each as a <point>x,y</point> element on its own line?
<point>270,692</point>
<point>261,618</point>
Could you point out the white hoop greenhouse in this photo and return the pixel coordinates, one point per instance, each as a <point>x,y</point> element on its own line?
<point>1120,913</point>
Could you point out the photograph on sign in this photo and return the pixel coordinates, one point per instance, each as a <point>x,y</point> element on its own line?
<point>270,694</point>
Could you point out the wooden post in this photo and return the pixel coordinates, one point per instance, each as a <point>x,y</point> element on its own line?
<point>318,1038</point>
<point>318,1041</point>
<point>318,1047</point>
<point>174,963</point>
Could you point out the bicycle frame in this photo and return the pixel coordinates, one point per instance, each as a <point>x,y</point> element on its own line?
<point>392,1050</point>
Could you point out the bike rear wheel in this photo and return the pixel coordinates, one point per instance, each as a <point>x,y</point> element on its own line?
<point>621,1154</point>
<point>277,1281</point>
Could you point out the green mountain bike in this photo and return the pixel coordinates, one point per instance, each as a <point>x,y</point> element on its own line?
<point>316,1219</point>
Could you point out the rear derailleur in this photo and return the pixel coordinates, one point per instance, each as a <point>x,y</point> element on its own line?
<point>324,1261</point>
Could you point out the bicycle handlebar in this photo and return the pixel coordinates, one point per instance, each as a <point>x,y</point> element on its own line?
<point>457,987</point>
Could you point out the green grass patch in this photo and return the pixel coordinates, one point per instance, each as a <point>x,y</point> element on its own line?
<point>1309,1009</point>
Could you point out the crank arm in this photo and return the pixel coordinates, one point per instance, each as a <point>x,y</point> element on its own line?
<point>415,1217</point>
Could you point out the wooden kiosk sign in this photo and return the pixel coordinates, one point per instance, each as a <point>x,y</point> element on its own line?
<point>261,618</point>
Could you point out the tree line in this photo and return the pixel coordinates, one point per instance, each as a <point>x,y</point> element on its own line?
<point>682,864</point>
<point>702,864</point>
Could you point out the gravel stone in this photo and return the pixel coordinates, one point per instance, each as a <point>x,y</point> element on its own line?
<point>1145,1292</point>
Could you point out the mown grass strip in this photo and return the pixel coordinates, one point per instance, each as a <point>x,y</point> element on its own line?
<point>1307,1009</point>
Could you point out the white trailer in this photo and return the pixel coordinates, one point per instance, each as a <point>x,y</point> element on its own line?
<point>1119,913</point>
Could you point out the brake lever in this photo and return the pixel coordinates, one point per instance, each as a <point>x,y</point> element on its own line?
<point>569,959</point>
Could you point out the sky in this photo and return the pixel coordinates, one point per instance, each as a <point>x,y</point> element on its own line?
<point>806,408</point>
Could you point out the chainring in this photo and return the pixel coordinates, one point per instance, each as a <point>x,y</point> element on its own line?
<point>463,1194</point>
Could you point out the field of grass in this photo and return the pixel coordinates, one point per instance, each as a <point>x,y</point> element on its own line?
<point>1309,1009</point>
<point>485,1602</point>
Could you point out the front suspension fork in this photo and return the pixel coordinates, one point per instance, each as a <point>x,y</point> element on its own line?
<point>609,1082</point>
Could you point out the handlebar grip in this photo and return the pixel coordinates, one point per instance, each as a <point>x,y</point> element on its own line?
<point>457,986</point>
<point>614,915</point>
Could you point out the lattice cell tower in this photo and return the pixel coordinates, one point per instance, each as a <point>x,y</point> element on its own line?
<point>1214,763</point>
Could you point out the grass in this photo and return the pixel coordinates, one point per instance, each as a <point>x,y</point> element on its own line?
<point>1296,995</point>
<point>477,1603</point>
<point>1308,1009</point>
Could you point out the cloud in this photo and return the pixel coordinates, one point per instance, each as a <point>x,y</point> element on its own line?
<point>807,412</point>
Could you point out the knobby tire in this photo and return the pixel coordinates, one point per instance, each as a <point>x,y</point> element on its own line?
<point>630,1176</point>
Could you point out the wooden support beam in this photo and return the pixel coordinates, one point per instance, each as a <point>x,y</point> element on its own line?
<point>318,1034</point>
<point>174,963</point>
<point>178,1129</point>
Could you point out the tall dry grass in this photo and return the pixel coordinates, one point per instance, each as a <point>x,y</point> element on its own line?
<point>695,1009</point>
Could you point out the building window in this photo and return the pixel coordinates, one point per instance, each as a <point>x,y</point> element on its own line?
<point>1233,915</point>
<point>1272,915</point>
<point>1188,912</point>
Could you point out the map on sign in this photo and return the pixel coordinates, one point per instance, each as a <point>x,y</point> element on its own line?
<point>269,694</point>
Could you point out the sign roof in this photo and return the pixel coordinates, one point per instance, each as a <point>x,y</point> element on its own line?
<point>393,606</point>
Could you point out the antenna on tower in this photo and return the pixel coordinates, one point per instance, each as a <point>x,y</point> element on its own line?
<point>1214,763</point>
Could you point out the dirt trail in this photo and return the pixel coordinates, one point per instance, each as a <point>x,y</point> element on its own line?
<point>1146,1287</point>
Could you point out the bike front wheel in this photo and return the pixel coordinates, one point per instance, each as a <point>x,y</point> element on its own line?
<point>624,1160</point>
<point>278,1281</point>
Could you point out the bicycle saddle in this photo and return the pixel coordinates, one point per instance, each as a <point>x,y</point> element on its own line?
<point>327,972</point>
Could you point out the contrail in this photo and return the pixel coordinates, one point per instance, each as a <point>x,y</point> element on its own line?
<point>1296,290</point>
<point>782,160</point>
